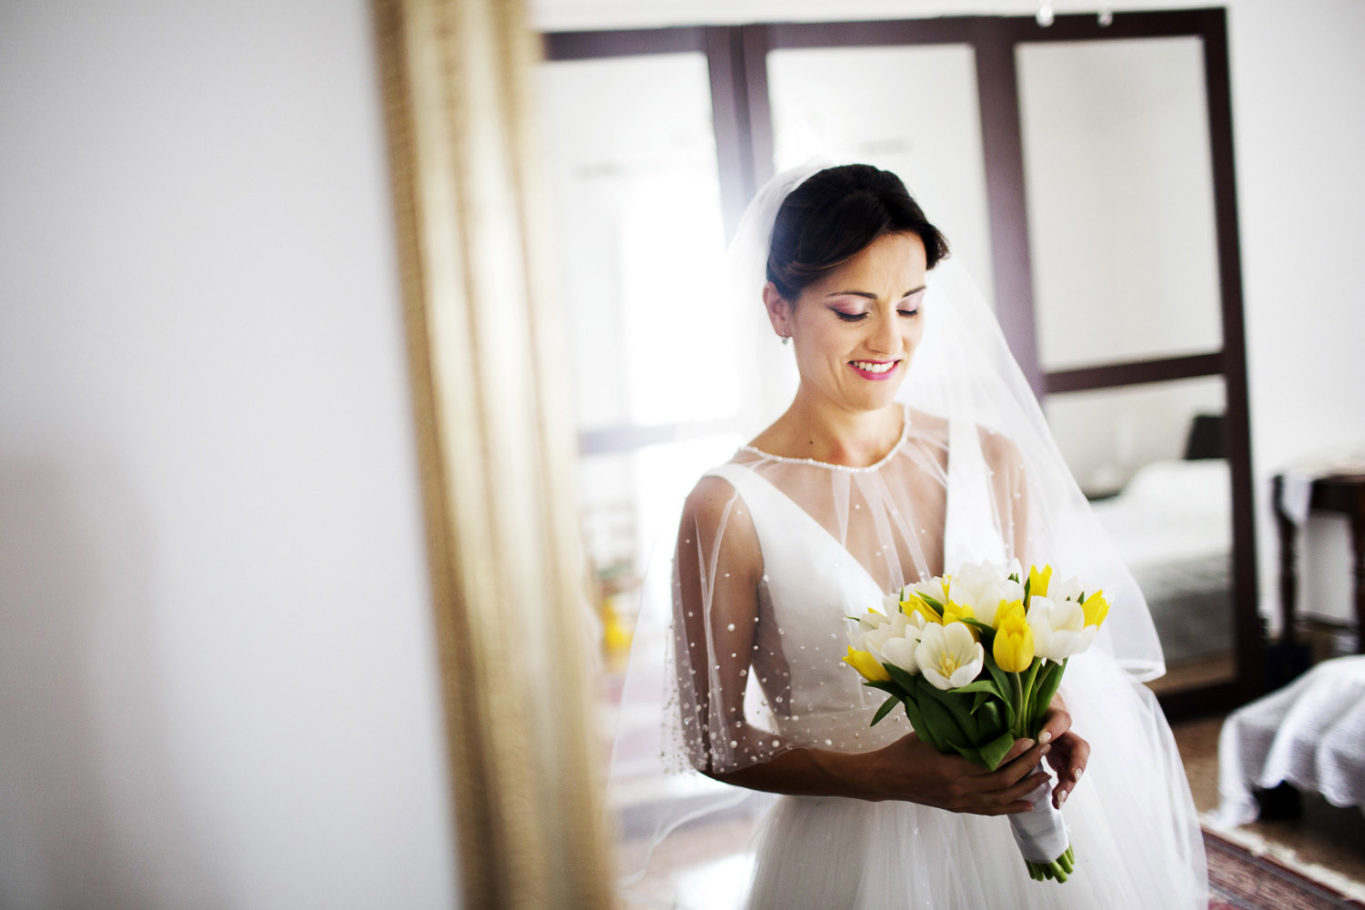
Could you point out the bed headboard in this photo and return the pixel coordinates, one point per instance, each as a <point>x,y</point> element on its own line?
<point>1207,438</point>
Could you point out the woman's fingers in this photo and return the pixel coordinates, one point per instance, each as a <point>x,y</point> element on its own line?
<point>1070,759</point>
<point>1012,799</point>
<point>1055,725</point>
<point>1019,748</point>
<point>1009,772</point>
<point>1026,750</point>
<point>996,792</point>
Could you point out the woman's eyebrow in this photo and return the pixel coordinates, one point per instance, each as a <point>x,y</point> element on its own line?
<point>870,296</point>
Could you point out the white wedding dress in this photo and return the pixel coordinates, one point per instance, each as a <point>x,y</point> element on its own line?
<point>758,679</point>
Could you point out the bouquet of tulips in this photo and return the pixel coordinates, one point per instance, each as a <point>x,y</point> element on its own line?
<point>975,658</point>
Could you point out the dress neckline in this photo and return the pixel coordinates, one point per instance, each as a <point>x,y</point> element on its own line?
<point>854,469</point>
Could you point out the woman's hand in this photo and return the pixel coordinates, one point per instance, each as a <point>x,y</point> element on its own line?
<point>911,769</point>
<point>1069,753</point>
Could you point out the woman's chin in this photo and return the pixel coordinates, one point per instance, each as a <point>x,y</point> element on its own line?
<point>878,399</point>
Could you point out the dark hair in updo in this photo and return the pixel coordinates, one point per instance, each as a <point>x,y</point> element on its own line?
<point>834,215</point>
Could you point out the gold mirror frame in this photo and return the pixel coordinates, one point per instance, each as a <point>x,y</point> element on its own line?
<point>495,450</point>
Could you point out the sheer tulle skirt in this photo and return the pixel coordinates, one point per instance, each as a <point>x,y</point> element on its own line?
<point>1132,822</point>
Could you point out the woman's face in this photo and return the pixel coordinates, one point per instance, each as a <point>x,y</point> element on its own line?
<point>855,329</point>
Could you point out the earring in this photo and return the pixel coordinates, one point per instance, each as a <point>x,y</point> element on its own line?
<point>786,339</point>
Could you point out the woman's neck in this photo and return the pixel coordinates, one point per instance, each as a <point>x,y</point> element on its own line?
<point>811,429</point>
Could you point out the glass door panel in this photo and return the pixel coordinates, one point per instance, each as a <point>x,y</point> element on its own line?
<point>912,110</point>
<point>1152,460</point>
<point>1118,178</point>
<point>632,160</point>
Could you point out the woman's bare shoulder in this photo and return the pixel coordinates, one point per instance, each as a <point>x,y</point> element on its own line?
<point>714,514</point>
<point>1002,454</point>
<point>714,504</point>
<point>710,496</point>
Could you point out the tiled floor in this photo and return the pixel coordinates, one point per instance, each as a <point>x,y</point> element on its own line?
<point>1324,835</point>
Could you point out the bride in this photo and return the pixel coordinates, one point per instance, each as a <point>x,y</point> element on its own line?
<point>912,446</point>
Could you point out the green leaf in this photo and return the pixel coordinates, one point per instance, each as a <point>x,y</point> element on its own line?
<point>885,709</point>
<point>970,753</point>
<point>993,751</point>
<point>987,632</point>
<point>921,726</point>
<point>957,706</point>
<point>885,686</point>
<point>1046,688</point>
<point>991,718</point>
<point>1001,680</point>
<point>905,680</point>
<point>931,602</point>
<point>978,685</point>
<point>1002,683</point>
<point>940,722</point>
<point>981,699</point>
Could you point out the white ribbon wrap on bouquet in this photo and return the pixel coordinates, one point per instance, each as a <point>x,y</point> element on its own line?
<point>1040,832</point>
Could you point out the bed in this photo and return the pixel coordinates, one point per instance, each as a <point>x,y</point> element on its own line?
<point>1172,524</point>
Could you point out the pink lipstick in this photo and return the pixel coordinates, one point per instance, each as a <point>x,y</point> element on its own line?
<point>875,370</point>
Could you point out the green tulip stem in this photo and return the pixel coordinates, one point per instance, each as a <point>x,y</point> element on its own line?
<point>1020,721</point>
<point>1023,695</point>
<point>1023,721</point>
<point>1058,870</point>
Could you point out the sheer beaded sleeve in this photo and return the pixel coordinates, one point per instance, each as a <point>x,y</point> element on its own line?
<point>717,581</point>
<point>1010,495</point>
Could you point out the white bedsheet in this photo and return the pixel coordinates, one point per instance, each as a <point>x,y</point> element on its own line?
<point>1310,734</point>
<point>1172,524</point>
<point>1171,512</point>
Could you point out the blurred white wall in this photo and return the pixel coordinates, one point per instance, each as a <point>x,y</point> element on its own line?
<point>1297,77</point>
<point>218,683</point>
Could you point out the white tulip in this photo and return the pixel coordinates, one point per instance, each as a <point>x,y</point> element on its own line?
<point>982,586</point>
<point>1059,628</point>
<point>868,622</point>
<point>1066,590</point>
<point>872,620</point>
<point>895,642</point>
<point>873,641</point>
<point>891,603</point>
<point>949,656</point>
<point>894,628</point>
<point>900,652</point>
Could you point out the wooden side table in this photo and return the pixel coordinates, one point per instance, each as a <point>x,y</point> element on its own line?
<point>1342,493</point>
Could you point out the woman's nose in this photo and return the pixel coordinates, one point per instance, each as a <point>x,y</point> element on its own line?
<point>884,337</point>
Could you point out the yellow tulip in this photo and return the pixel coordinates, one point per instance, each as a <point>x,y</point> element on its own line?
<point>1013,648</point>
<point>1096,608</point>
<point>1038,581</point>
<point>867,665</point>
<point>1006,608</point>
<point>956,612</point>
<point>913,604</point>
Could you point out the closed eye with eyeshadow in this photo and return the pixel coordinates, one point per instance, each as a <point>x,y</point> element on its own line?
<point>909,306</point>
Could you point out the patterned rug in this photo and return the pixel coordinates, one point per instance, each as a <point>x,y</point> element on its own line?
<point>1240,880</point>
